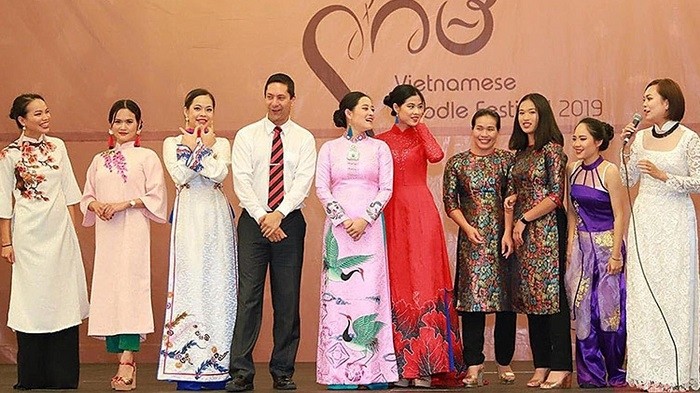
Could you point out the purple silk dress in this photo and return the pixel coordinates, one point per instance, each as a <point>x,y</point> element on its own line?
<point>597,298</point>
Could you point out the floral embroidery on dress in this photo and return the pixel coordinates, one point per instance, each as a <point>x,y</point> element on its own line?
<point>30,157</point>
<point>604,239</point>
<point>46,147</point>
<point>114,159</point>
<point>27,180</point>
<point>423,335</point>
<point>582,290</point>
<point>613,321</point>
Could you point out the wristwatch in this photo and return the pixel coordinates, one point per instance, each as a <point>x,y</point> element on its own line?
<point>523,220</point>
<point>132,203</point>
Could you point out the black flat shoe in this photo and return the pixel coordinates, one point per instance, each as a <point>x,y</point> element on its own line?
<point>239,384</point>
<point>284,383</point>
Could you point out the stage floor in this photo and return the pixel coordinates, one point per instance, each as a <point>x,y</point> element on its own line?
<point>95,378</point>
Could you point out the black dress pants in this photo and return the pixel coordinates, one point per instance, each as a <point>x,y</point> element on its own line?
<point>473,324</point>
<point>285,259</point>
<point>48,360</point>
<point>550,334</point>
<point>550,338</point>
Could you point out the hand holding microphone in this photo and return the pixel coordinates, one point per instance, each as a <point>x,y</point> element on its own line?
<point>630,129</point>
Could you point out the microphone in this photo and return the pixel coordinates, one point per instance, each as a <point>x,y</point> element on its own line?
<point>635,122</point>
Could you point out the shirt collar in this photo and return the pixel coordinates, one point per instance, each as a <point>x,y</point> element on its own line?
<point>270,126</point>
<point>23,138</point>
<point>125,145</point>
<point>667,126</point>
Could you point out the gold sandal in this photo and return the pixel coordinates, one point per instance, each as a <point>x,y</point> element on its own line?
<point>535,382</point>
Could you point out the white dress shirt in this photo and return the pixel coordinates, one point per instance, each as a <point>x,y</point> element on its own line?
<point>250,164</point>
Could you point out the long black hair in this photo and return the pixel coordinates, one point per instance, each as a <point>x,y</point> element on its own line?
<point>546,131</point>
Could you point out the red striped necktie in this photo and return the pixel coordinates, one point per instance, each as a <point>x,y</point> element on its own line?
<point>276,189</point>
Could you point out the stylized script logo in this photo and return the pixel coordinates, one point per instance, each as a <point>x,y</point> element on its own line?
<point>337,86</point>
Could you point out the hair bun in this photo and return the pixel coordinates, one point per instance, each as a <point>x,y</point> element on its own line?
<point>339,119</point>
<point>387,101</point>
<point>609,131</point>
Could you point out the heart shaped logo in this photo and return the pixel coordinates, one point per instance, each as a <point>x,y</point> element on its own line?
<point>335,84</point>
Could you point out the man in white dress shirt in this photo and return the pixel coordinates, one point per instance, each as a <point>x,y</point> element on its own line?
<point>273,162</point>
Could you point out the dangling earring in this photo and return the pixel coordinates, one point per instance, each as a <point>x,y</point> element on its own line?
<point>348,133</point>
<point>396,119</point>
<point>110,141</point>
<point>24,128</point>
<point>187,121</point>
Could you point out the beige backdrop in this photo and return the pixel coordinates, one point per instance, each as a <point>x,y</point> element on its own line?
<point>590,58</point>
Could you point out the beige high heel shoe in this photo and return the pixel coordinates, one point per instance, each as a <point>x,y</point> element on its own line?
<point>563,383</point>
<point>506,377</point>
<point>474,380</point>
<point>535,381</point>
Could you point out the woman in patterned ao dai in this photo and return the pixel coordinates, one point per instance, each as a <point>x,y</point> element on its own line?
<point>595,282</point>
<point>474,188</point>
<point>539,234</point>
<point>49,292</point>
<point>200,311</point>
<point>354,183</point>
<point>662,272</point>
<point>124,191</point>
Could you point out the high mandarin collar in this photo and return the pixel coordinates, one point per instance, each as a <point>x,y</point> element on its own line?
<point>668,125</point>
<point>592,165</point>
<point>398,130</point>
<point>23,138</point>
<point>356,137</point>
<point>125,145</point>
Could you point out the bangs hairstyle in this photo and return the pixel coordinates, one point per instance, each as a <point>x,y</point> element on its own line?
<point>671,91</point>
<point>546,131</point>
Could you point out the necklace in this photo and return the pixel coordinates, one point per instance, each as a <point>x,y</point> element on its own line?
<point>354,152</point>
<point>659,135</point>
